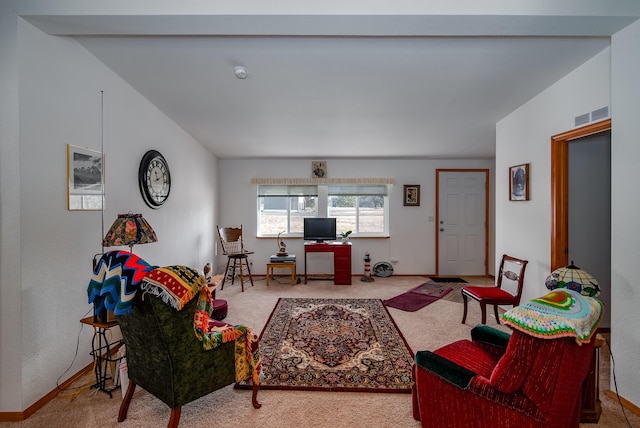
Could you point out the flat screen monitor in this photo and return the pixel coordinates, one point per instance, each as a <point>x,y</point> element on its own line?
<point>319,229</point>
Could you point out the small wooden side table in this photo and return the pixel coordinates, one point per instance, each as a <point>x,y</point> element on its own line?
<point>102,352</point>
<point>286,265</point>
<point>591,408</point>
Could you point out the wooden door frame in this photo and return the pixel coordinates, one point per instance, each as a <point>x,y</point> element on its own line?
<point>560,189</point>
<point>486,213</point>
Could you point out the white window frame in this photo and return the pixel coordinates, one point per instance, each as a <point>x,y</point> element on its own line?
<point>322,210</point>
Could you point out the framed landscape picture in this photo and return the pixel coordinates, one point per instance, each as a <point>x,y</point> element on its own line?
<point>412,195</point>
<point>519,182</point>
<point>85,179</point>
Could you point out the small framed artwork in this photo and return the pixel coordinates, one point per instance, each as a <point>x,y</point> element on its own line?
<point>85,179</point>
<point>318,169</point>
<point>412,195</point>
<point>519,182</point>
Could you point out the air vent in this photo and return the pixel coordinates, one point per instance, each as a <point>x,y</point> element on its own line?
<point>601,113</point>
<point>582,119</point>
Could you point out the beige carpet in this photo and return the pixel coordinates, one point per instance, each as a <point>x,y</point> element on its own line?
<point>435,325</point>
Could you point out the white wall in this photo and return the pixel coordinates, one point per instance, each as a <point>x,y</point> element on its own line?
<point>10,383</point>
<point>524,136</point>
<point>59,104</point>
<point>625,203</point>
<point>412,240</point>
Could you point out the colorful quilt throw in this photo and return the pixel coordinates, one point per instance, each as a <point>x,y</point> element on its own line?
<point>175,285</point>
<point>115,281</point>
<point>561,313</point>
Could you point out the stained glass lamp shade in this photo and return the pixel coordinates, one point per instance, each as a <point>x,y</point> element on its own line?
<point>573,278</point>
<point>129,229</point>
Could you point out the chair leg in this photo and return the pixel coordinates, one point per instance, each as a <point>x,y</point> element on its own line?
<point>233,271</point>
<point>124,406</point>
<point>495,312</point>
<point>483,308</point>
<point>249,270</point>
<point>226,272</point>
<point>254,397</point>
<point>464,314</point>
<point>174,419</point>
<point>242,261</point>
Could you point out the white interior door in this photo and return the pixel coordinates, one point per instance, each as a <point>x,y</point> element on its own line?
<point>462,223</point>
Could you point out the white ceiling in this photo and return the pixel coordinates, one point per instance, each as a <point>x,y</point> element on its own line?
<point>398,91</point>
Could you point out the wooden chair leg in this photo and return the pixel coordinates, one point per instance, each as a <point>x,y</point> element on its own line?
<point>249,270</point>
<point>124,406</point>
<point>242,261</point>
<point>464,314</point>
<point>495,312</point>
<point>483,308</point>
<point>226,272</point>
<point>174,419</point>
<point>233,271</point>
<point>254,397</point>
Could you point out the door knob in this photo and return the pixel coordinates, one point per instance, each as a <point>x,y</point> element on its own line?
<point>442,229</point>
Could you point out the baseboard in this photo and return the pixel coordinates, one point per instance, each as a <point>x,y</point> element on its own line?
<point>625,403</point>
<point>21,416</point>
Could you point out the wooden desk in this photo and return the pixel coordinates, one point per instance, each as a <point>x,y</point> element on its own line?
<point>287,265</point>
<point>341,259</point>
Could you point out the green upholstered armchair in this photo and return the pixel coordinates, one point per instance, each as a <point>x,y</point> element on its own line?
<point>165,357</point>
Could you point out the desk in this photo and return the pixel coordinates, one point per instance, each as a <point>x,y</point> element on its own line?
<point>287,265</point>
<point>341,259</point>
<point>102,355</point>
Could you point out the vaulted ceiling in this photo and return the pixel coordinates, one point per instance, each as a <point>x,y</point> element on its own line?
<point>339,86</point>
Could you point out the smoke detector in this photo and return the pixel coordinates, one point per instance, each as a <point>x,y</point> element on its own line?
<point>240,72</point>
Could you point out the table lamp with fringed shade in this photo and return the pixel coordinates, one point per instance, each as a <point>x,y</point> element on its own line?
<point>129,229</point>
<point>573,278</point>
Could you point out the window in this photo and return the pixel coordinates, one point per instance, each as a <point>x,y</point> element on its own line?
<point>359,208</point>
<point>282,208</point>
<point>363,209</point>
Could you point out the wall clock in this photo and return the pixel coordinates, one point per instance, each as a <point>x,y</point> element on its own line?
<point>154,179</point>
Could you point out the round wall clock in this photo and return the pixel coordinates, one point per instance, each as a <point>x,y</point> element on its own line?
<point>154,179</point>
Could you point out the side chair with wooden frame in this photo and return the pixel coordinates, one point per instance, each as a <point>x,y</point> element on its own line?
<point>233,247</point>
<point>497,295</point>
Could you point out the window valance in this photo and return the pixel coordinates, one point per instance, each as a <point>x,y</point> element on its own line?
<point>316,181</point>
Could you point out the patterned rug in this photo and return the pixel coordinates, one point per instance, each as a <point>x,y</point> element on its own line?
<point>418,297</point>
<point>334,344</point>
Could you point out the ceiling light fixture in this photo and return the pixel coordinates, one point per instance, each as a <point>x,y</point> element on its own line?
<point>240,72</point>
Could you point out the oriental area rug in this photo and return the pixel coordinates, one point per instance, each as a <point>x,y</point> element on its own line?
<point>334,345</point>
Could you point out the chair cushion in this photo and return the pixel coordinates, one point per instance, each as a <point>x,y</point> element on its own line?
<point>470,356</point>
<point>479,293</point>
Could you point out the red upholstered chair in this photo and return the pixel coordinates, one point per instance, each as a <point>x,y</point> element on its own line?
<point>496,381</point>
<point>498,295</point>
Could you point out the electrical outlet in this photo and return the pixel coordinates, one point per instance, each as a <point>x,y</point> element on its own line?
<point>250,263</point>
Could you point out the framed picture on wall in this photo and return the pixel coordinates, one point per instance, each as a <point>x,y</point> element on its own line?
<point>412,195</point>
<point>318,169</point>
<point>519,182</point>
<point>85,179</point>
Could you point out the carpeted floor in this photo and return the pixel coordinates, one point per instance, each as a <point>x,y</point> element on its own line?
<point>429,328</point>
<point>334,345</point>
